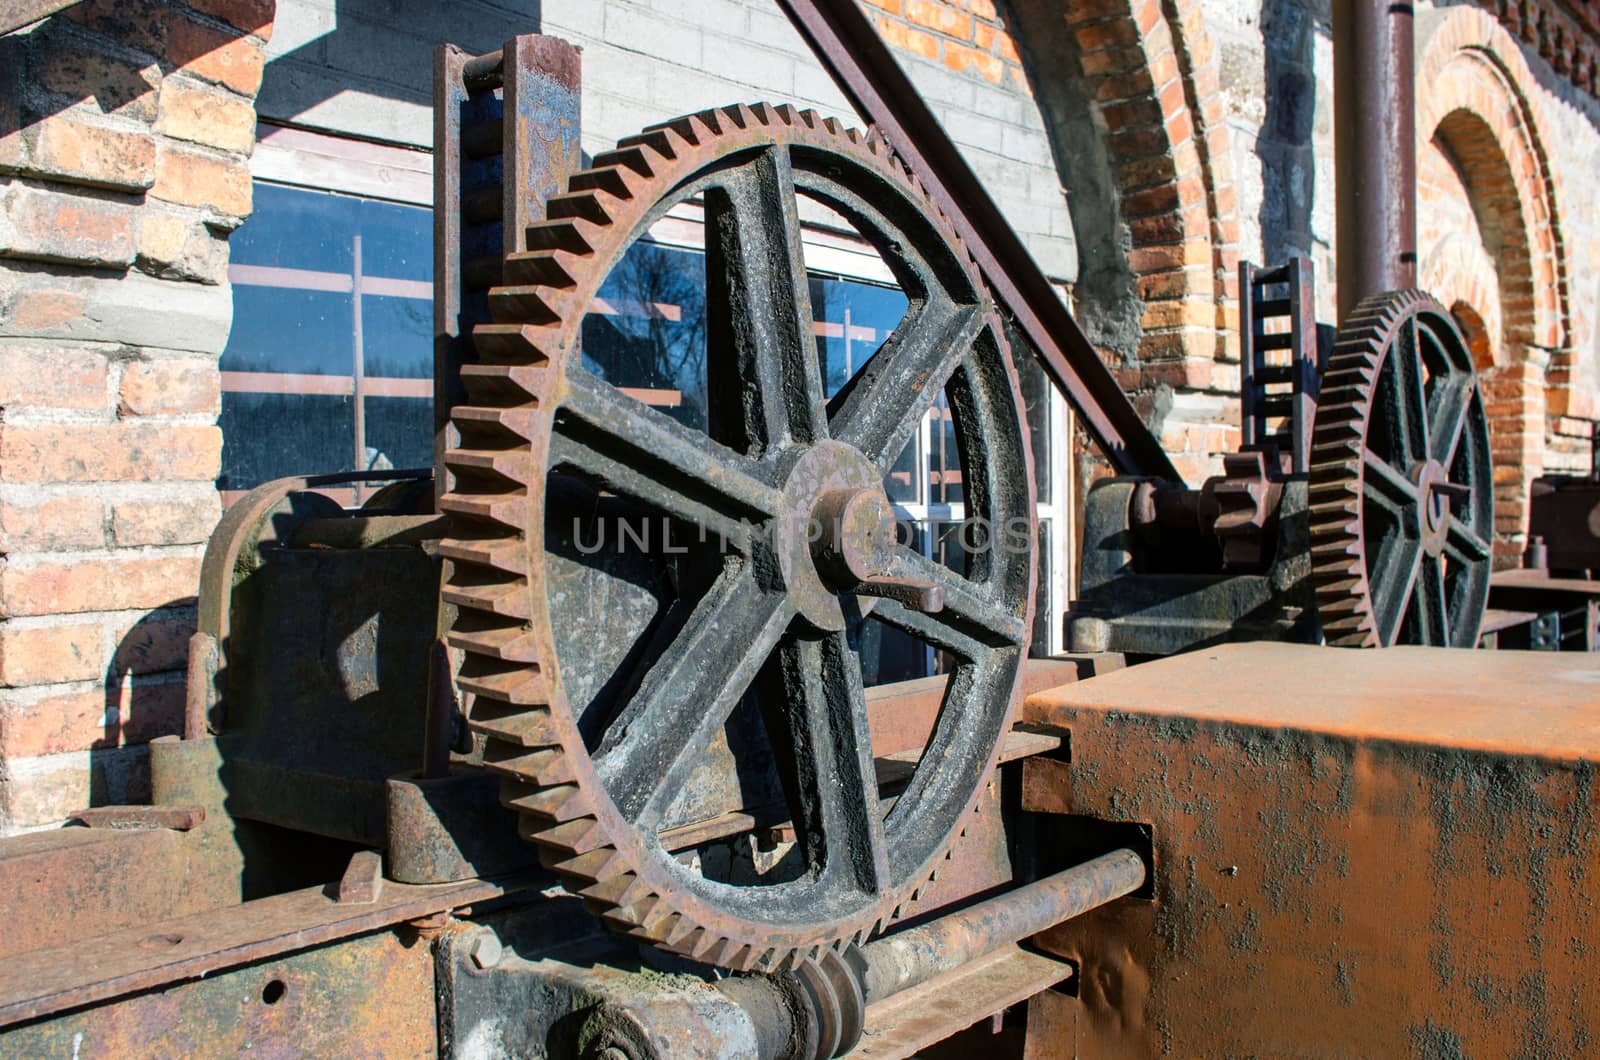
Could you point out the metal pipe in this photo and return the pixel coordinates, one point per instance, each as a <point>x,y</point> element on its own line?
<point>900,961</point>
<point>850,49</point>
<point>1375,149</point>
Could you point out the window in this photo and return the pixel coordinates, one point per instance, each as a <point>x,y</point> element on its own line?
<point>329,366</point>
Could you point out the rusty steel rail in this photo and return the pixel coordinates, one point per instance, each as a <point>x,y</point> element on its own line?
<point>852,52</point>
<point>900,961</point>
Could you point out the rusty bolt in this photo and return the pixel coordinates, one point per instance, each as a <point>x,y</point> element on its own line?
<point>485,949</point>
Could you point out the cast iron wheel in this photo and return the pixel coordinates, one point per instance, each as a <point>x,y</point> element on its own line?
<point>1402,494</point>
<point>777,612</point>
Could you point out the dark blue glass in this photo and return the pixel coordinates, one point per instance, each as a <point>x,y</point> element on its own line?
<point>268,436</point>
<point>397,337</point>
<point>281,329</point>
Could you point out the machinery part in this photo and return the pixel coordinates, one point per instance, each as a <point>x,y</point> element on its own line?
<point>539,423</point>
<point>1374,149</point>
<point>906,958</point>
<point>1285,387</point>
<point>1401,491</point>
<point>850,48</point>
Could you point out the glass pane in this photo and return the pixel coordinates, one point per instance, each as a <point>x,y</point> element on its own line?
<point>292,228</point>
<point>1041,591</point>
<point>396,241</point>
<point>646,332</point>
<point>308,434</point>
<point>399,432</point>
<point>1036,393</point>
<point>887,654</point>
<point>944,459</point>
<point>397,338</point>
<point>280,329</point>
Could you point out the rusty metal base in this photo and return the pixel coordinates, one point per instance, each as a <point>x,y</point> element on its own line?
<point>1358,853</point>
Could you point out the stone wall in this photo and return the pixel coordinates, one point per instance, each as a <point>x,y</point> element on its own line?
<point>124,133</point>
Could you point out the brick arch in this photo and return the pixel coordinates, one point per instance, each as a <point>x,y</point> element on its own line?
<point>1476,96</point>
<point>1149,73</point>
<point>1477,115</point>
<point>1458,272</point>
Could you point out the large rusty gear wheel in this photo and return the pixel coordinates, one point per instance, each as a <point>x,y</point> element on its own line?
<point>777,613</point>
<point>1401,489</point>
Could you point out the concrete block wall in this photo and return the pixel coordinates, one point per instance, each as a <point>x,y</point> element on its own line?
<point>353,67</point>
<point>124,134</point>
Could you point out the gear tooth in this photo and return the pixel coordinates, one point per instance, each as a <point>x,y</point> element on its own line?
<point>518,343</point>
<point>497,425</point>
<point>655,139</point>
<point>633,159</point>
<point>738,956</point>
<point>567,235</point>
<point>506,384</point>
<point>786,113</point>
<point>809,118</point>
<point>551,268</point>
<point>579,837</point>
<point>627,918</point>
<point>513,642</point>
<point>518,725</point>
<point>502,555</point>
<point>562,802</point>
<point>681,934</point>
<point>623,889</point>
<point>592,865</point>
<point>524,304</point>
<point>489,679</point>
<point>744,115</point>
<point>546,766</point>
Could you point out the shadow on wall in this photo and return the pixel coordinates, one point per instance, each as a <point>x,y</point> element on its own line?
<point>49,70</point>
<point>142,698</point>
<point>340,65</point>
<point>1107,305</point>
<point>1289,31</point>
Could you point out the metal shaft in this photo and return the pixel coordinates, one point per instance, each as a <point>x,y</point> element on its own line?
<point>902,960</point>
<point>1375,151</point>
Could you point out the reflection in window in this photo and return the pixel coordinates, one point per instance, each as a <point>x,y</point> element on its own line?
<point>329,366</point>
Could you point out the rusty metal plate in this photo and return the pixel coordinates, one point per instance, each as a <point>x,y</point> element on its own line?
<point>1357,853</point>
<point>364,997</point>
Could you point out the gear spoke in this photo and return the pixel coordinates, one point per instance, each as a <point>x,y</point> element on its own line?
<point>1447,417</point>
<point>1464,545</point>
<point>1411,404</point>
<point>1430,608</point>
<point>1394,574</point>
<point>647,753</point>
<point>765,389</point>
<point>1384,484</point>
<point>896,387</point>
<point>968,625</point>
<point>631,449</point>
<point>833,789</point>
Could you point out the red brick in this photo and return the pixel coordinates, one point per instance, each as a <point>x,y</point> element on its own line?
<point>170,387</point>
<point>66,721</point>
<point>118,583</point>
<point>139,24</point>
<point>891,6</point>
<point>55,225</point>
<point>155,644</point>
<point>53,377</point>
<point>1175,256</point>
<point>982,9</point>
<point>108,453</point>
<point>962,59</point>
<point>1132,114</point>
<point>49,655</point>
<point>115,84</point>
<point>46,309</point>
<point>165,522</point>
<point>205,115</point>
<point>1099,36</point>
<point>59,524</point>
<point>1149,231</point>
<point>105,156</point>
<point>190,178</point>
<point>216,55</point>
<point>899,35</point>
<point>940,17</point>
<point>1151,201</point>
<point>1113,61</point>
<point>1138,142</point>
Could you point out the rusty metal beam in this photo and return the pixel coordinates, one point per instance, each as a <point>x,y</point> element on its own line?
<point>1375,151</point>
<point>852,52</point>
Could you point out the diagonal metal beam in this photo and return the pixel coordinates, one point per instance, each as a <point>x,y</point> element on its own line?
<point>847,45</point>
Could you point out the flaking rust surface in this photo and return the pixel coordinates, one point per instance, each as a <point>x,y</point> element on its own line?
<point>1345,863</point>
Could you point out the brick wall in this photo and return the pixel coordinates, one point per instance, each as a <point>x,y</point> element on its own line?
<point>124,133</point>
